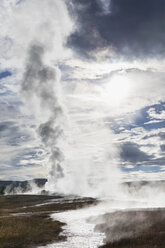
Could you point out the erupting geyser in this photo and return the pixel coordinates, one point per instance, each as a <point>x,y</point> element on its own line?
<point>69,118</point>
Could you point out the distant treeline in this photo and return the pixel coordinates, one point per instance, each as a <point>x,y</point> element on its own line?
<point>13,187</point>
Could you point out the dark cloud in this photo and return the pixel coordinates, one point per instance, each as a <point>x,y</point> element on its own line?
<point>162,147</point>
<point>4,126</point>
<point>132,27</point>
<point>5,74</point>
<point>13,134</point>
<point>157,162</point>
<point>130,152</point>
<point>161,135</point>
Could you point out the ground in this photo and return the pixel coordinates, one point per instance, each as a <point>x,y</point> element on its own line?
<point>25,219</point>
<point>134,229</point>
<point>25,222</point>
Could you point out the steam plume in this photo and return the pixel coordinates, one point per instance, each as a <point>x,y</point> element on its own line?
<point>41,82</point>
<point>42,49</point>
<point>70,124</point>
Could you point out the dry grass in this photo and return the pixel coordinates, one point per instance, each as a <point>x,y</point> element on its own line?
<point>10,203</point>
<point>26,231</point>
<point>140,229</point>
<point>37,228</point>
<point>16,204</point>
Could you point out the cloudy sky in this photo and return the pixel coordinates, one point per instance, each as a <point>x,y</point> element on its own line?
<point>82,83</point>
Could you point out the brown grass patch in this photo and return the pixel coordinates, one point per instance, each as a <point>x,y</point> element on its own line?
<point>26,231</point>
<point>35,227</point>
<point>135,229</point>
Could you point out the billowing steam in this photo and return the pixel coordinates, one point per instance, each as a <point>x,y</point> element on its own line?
<point>40,82</point>
<point>42,49</point>
<point>70,116</point>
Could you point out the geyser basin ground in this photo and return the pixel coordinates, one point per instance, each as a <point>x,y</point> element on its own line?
<point>25,219</point>
<point>78,223</point>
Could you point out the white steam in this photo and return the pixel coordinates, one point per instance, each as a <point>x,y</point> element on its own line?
<point>80,150</point>
<point>80,153</point>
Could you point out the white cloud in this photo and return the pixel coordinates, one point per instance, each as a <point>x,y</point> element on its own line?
<point>153,122</point>
<point>154,115</point>
<point>140,175</point>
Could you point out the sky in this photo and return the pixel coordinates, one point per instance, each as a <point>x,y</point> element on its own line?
<point>82,83</point>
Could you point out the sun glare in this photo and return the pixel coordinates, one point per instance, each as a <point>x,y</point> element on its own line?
<point>116,90</point>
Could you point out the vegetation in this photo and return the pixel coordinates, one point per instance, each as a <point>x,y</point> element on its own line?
<point>26,231</point>
<point>135,229</point>
<point>13,187</point>
<point>25,223</point>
